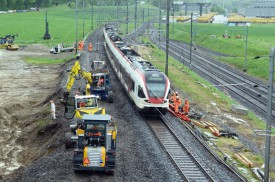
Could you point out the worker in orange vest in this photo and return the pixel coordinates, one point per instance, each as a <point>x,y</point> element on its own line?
<point>171,98</point>
<point>175,96</point>
<point>90,47</point>
<point>186,107</point>
<point>177,103</point>
<point>80,45</point>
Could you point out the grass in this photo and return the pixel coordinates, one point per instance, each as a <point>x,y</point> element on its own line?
<point>261,38</point>
<point>30,26</point>
<point>45,61</point>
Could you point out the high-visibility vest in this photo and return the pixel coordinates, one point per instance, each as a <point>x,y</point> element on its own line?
<point>90,47</point>
<point>177,104</point>
<point>186,107</point>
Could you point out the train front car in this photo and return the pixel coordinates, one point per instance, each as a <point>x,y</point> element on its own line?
<point>146,85</point>
<point>157,89</point>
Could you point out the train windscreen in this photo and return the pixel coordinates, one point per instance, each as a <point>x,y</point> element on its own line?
<point>155,84</point>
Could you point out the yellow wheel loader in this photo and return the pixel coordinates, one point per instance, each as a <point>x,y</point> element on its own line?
<point>7,43</point>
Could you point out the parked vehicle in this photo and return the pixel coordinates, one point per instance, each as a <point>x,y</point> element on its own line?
<point>60,48</point>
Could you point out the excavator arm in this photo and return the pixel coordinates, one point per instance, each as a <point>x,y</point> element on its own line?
<point>72,76</point>
<point>75,71</point>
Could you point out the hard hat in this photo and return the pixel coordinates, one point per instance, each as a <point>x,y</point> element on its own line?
<point>177,97</point>
<point>185,99</point>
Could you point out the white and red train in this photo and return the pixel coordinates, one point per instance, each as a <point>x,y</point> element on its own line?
<point>146,85</point>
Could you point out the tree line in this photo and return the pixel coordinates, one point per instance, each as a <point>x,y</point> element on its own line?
<point>27,4</point>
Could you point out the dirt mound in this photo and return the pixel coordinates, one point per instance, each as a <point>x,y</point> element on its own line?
<point>25,108</point>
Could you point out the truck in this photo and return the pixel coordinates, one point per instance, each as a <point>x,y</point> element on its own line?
<point>60,48</point>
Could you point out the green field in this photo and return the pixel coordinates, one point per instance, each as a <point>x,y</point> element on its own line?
<point>261,37</point>
<point>30,27</point>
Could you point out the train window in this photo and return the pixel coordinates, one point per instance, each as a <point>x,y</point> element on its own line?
<point>140,92</point>
<point>156,84</point>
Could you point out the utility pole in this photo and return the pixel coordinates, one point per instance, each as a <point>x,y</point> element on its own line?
<point>269,115</point>
<point>76,24</point>
<point>117,10</point>
<point>135,20</point>
<point>191,40</point>
<point>148,15</point>
<point>173,14</point>
<point>83,18</point>
<point>159,19</point>
<point>92,14</point>
<point>245,53</point>
<point>167,37</point>
<point>127,17</point>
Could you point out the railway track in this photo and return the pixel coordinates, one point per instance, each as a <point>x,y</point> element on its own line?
<point>251,93</point>
<point>189,165</point>
<point>190,155</point>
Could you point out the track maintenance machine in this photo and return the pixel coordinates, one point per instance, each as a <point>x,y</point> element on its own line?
<point>93,134</point>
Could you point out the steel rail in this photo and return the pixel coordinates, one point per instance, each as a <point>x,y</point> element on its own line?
<point>189,165</point>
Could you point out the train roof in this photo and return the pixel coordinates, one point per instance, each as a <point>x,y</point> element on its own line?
<point>144,64</point>
<point>132,55</point>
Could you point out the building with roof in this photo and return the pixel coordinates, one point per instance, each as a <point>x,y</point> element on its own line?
<point>258,8</point>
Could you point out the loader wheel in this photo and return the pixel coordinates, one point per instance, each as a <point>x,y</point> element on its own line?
<point>110,97</point>
<point>68,142</point>
<point>112,172</point>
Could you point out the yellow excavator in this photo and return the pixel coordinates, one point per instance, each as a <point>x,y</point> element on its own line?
<point>97,83</point>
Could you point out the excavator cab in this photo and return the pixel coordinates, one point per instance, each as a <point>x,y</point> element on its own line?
<point>101,86</point>
<point>83,103</point>
<point>98,65</point>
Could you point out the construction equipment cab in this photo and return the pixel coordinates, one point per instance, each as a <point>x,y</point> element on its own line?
<point>101,86</point>
<point>98,65</point>
<point>96,147</point>
<point>75,108</point>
